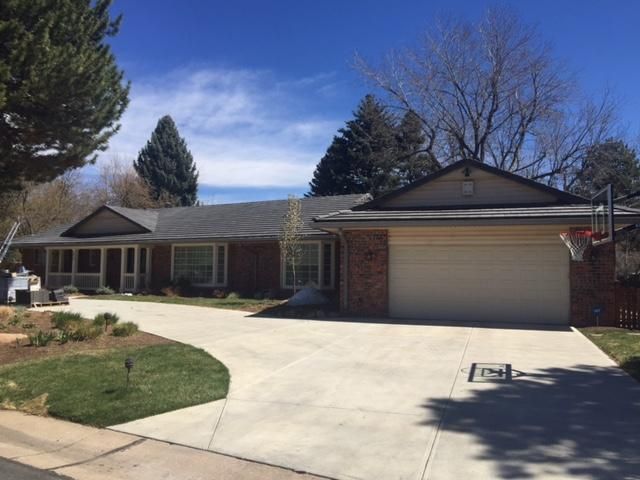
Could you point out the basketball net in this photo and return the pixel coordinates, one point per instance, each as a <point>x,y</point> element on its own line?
<point>577,242</point>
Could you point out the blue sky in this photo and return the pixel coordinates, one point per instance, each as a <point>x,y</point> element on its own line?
<point>259,88</point>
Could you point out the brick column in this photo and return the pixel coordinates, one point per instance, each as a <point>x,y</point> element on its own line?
<point>593,285</point>
<point>367,272</point>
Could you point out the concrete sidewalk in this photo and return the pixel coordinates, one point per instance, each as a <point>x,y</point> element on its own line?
<point>86,453</point>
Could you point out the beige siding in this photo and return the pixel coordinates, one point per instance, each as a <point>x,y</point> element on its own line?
<point>479,275</point>
<point>489,189</point>
<point>106,222</point>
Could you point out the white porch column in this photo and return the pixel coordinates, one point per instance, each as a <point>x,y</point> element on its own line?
<point>136,268</point>
<point>74,265</point>
<point>103,267</point>
<point>123,266</point>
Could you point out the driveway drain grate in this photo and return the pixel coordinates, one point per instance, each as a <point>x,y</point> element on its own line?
<point>490,372</point>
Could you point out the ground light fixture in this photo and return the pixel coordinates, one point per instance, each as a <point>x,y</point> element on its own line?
<point>128,364</point>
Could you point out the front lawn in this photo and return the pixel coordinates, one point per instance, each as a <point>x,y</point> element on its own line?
<point>233,303</point>
<point>623,346</point>
<point>91,388</point>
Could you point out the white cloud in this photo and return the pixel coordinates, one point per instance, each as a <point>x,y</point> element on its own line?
<point>244,128</point>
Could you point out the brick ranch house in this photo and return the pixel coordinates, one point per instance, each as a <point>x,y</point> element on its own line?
<point>232,247</point>
<point>468,243</point>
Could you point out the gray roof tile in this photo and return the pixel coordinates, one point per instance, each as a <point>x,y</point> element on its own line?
<point>252,220</point>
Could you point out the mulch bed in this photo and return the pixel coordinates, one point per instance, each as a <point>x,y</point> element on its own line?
<point>11,353</point>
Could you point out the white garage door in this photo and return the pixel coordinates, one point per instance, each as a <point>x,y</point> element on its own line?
<point>479,278</point>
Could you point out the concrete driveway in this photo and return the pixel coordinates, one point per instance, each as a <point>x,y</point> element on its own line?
<point>356,400</point>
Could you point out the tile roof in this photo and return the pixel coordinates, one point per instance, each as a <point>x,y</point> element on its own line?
<point>252,220</point>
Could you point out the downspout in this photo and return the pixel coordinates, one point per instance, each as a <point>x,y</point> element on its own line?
<point>345,270</point>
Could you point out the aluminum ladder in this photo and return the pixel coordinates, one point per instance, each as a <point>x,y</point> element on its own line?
<point>7,241</point>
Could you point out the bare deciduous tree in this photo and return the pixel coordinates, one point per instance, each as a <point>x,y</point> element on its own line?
<point>291,237</point>
<point>120,185</point>
<point>493,92</point>
<point>42,206</point>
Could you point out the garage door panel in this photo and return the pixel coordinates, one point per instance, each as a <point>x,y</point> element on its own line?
<point>500,282</point>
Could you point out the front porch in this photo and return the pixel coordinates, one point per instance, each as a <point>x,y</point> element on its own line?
<point>122,268</point>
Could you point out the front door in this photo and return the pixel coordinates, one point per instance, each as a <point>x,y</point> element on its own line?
<point>114,259</point>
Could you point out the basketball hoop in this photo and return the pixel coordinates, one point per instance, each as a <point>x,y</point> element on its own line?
<point>577,242</point>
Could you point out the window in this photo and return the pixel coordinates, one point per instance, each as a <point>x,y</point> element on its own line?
<point>200,264</point>
<point>327,264</point>
<point>221,265</point>
<point>315,266</point>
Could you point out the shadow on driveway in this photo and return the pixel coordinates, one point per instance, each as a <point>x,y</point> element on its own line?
<point>581,421</point>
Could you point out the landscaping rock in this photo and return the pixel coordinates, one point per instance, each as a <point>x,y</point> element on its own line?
<point>308,296</point>
<point>11,337</point>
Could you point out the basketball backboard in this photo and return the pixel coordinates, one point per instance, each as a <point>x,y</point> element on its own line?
<point>602,221</point>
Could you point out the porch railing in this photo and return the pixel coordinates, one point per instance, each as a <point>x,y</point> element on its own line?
<point>58,280</point>
<point>129,281</point>
<point>87,281</point>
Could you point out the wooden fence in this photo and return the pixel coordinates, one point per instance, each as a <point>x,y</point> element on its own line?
<point>627,306</point>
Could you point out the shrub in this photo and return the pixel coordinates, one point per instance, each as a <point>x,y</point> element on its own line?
<point>105,319</point>
<point>41,339</point>
<point>63,337</point>
<point>61,320</point>
<point>169,292</point>
<point>81,331</point>
<point>217,293</point>
<point>105,291</point>
<point>70,289</point>
<point>233,296</point>
<point>18,317</point>
<point>125,329</point>
<point>6,313</point>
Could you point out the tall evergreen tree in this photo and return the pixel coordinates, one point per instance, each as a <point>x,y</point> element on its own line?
<point>414,160</point>
<point>61,92</point>
<point>166,165</point>
<point>360,158</point>
<point>611,162</point>
<point>373,154</point>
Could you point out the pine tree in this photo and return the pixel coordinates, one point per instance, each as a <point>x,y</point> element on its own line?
<point>610,162</point>
<point>61,92</point>
<point>413,161</point>
<point>167,166</point>
<point>361,156</point>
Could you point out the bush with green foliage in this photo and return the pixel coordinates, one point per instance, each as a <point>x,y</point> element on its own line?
<point>41,339</point>
<point>233,296</point>
<point>61,320</point>
<point>105,291</point>
<point>125,329</point>
<point>70,289</point>
<point>81,331</point>
<point>105,319</point>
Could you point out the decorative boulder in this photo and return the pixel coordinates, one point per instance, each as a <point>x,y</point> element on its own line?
<point>307,296</point>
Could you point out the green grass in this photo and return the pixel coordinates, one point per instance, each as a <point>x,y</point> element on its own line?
<point>621,345</point>
<point>91,388</point>
<point>229,303</point>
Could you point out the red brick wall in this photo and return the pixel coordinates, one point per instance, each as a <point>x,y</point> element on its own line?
<point>160,266</point>
<point>593,285</point>
<point>254,267</point>
<point>367,273</point>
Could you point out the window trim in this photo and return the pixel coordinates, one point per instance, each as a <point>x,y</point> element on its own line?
<point>214,246</point>
<point>321,272</point>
